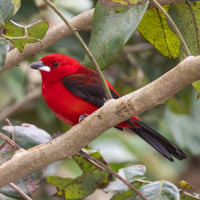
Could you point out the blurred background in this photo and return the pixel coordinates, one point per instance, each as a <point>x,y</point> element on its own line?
<point>140,63</point>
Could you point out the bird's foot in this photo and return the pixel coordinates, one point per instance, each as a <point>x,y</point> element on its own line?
<point>82,117</point>
<point>55,135</point>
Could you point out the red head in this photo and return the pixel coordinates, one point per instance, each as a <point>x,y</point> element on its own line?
<point>55,66</point>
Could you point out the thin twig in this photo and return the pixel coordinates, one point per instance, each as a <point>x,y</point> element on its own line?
<point>20,38</point>
<point>25,196</point>
<point>12,133</point>
<point>76,34</point>
<point>106,168</point>
<point>171,22</point>
<point>142,181</point>
<point>184,193</point>
<point>11,142</point>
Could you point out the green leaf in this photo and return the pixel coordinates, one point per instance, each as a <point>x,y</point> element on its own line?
<point>35,31</point>
<point>187,18</point>
<point>28,184</point>
<point>155,29</point>
<point>128,173</point>
<point>82,186</point>
<point>17,4</point>
<point>160,190</point>
<point>123,196</point>
<point>27,135</point>
<point>6,11</point>
<point>123,3</point>
<point>38,29</point>
<point>196,85</point>
<point>185,131</point>
<point>4,46</point>
<point>111,29</point>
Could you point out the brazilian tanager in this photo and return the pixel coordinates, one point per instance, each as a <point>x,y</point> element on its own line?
<point>72,91</point>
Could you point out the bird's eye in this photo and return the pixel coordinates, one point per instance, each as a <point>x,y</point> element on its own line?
<point>55,64</point>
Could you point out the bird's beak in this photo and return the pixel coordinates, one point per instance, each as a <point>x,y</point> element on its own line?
<point>40,66</point>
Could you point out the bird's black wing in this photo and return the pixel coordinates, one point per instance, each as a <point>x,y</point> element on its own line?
<point>88,88</point>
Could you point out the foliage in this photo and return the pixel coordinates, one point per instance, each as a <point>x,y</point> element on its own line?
<point>129,3</point>
<point>14,32</point>
<point>112,30</point>
<point>26,136</point>
<point>36,31</point>
<point>155,29</point>
<point>108,30</point>
<point>187,15</point>
<point>92,178</point>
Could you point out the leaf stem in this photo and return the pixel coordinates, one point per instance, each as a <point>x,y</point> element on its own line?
<point>106,168</point>
<point>76,34</point>
<point>171,22</point>
<point>20,38</point>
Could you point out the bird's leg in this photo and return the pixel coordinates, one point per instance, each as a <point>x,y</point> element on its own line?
<point>55,135</point>
<point>82,117</point>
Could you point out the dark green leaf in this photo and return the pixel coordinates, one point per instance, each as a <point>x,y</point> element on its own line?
<point>123,3</point>
<point>185,131</point>
<point>155,29</point>
<point>160,190</point>
<point>82,186</point>
<point>6,11</point>
<point>111,29</point>
<point>187,18</point>
<point>128,173</point>
<point>27,135</point>
<point>4,46</point>
<point>35,31</point>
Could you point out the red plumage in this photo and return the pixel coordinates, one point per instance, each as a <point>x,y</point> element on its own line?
<point>72,90</point>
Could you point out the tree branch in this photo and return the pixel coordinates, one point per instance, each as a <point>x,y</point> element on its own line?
<point>91,127</point>
<point>57,32</point>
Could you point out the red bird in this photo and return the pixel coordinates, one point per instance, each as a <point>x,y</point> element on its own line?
<point>73,91</point>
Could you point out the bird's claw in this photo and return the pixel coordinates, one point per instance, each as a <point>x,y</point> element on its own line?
<point>55,135</point>
<point>82,117</point>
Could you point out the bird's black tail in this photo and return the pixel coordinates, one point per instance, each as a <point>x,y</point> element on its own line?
<point>157,141</point>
